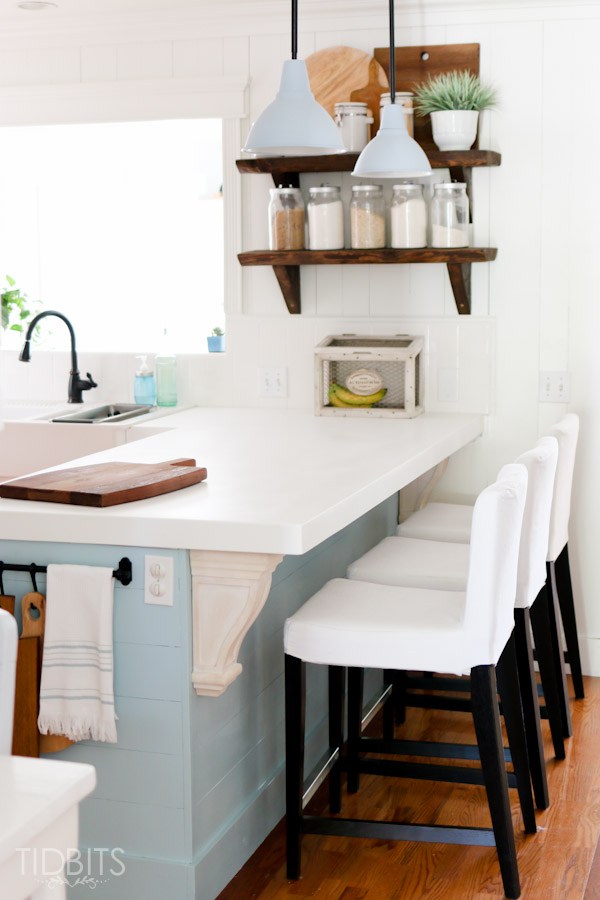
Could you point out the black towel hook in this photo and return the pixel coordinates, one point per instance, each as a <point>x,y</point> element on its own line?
<point>32,572</point>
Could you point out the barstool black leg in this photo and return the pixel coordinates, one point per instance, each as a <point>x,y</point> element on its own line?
<point>564,587</point>
<point>295,705</point>
<point>541,627</point>
<point>510,696</point>
<point>489,740</point>
<point>388,707</point>
<point>399,692</point>
<point>531,708</point>
<point>557,652</point>
<point>337,681</point>
<point>355,698</point>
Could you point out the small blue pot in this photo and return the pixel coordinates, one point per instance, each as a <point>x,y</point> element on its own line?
<point>216,343</point>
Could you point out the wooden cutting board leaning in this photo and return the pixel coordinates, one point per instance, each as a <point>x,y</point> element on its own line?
<point>345,74</point>
<point>26,738</point>
<point>105,484</point>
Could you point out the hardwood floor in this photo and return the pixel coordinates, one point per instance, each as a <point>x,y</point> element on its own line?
<point>560,862</point>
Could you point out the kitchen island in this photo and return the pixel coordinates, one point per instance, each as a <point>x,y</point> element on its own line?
<point>195,782</point>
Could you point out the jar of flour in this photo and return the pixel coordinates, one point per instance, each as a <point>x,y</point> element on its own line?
<point>408,216</point>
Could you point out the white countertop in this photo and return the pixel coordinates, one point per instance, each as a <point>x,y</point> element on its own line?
<point>279,481</point>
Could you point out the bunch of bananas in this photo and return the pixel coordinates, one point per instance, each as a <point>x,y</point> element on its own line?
<point>341,397</point>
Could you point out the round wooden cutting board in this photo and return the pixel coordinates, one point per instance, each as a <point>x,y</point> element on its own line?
<point>344,74</point>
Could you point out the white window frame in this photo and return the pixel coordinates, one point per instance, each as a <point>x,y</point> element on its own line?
<point>131,101</point>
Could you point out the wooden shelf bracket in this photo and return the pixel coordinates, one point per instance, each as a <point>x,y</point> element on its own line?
<point>460,280</point>
<point>289,282</point>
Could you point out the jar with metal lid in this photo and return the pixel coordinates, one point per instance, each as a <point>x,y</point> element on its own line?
<point>286,219</point>
<point>367,217</point>
<point>354,121</point>
<point>405,99</point>
<point>325,214</point>
<point>408,216</point>
<point>450,215</point>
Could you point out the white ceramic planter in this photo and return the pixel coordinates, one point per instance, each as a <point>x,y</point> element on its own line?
<point>454,129</point>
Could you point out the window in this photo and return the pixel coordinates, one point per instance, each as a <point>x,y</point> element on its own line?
<point>120,227</point>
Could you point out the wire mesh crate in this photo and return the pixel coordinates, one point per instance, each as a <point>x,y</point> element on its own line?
<point>368,375</point>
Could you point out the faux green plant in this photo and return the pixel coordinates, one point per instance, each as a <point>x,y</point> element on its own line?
<point>217,332</point>
<point>453,90</point>
<point>15,306</point>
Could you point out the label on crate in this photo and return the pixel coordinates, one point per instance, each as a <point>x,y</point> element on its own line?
<point>364,382</point>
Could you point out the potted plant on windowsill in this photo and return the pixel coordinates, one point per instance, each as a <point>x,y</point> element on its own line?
<point>15,307</point>
<point>454,101</point>
<point>216,341</point>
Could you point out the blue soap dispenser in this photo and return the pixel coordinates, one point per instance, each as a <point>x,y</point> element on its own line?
<point>144,386</point>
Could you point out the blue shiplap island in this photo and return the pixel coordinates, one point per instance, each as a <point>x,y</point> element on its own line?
<point>195,782</point>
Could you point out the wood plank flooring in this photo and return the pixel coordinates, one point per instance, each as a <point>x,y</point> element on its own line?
<point>560,862</point>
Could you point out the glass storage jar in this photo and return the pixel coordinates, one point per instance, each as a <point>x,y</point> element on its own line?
<point>405,99</point>
<point>408,216</point>
<point>354,120</point>
<point>286,219</point>
<point>450,215</point>
<point>325,218</point>
<point>367,217</point>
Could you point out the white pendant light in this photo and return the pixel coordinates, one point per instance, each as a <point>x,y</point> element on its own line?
<point>294,124</point>
<point>392,153</point>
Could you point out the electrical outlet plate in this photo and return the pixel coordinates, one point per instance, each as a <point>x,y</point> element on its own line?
<point>273,382</point>
<point>158,580</point>
<point>555,387</point>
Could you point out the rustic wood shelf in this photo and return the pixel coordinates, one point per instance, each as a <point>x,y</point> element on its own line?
<point>286,265</point>
<point>292,166</point>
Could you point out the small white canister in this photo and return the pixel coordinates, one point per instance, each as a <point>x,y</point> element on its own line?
<point>404,99</point>
<point>354,120</point>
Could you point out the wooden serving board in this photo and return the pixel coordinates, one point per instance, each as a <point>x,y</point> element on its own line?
<point>105,484</point>
<point>344,74</point>
<point>26,737</point>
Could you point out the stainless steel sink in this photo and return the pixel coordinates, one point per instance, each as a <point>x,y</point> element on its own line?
<point>113,412</point>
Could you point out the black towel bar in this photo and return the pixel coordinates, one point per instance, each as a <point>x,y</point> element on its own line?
<point>122,573</point>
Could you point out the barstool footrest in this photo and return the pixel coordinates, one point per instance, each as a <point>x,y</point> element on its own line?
<point>437,701</point>
<point>425,771</point>
<point>423,748</point>
<point>398,831</point>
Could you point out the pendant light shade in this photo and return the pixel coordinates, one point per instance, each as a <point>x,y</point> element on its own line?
<point>294,124</point>
<point>392,153</point>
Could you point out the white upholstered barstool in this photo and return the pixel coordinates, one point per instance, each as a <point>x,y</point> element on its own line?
<point>9,637</point>
<point>452,522</point>
<point>355,625</point>
<point>441,564</point>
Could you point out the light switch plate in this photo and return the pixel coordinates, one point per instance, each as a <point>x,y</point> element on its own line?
<point>158,580</point>
<point>555,387</point>
<point>273,382</point>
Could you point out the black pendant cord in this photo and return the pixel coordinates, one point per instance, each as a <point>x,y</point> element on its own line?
<point>392,55</point>
<point>294,29</point>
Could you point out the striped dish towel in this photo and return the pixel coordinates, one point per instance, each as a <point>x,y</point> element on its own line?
<point>76,693</point>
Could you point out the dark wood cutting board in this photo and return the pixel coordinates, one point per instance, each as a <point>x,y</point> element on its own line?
<point>26,737</point>
<point>105,484</point>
